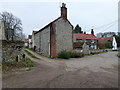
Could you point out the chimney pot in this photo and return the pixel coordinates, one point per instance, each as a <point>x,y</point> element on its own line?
<point>63,5</point>
<point>64,11</point>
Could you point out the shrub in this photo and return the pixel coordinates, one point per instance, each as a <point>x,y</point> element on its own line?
<point>29,63</point>
<point>15,65</point>
<point>76,54</point>
<point>78,45</point>
<point>64,54</point>
<point>92,53</point>
<point>67,54</point>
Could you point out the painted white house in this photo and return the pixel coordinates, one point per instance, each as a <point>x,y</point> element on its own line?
<point>30,41</point>
<point>114,44</point>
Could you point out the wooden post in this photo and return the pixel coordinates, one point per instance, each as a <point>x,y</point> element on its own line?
<point>18,58</point>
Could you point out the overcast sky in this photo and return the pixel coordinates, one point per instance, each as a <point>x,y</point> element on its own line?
<point>92,14</point>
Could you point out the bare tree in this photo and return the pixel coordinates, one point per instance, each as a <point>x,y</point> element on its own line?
<point>12,25</point>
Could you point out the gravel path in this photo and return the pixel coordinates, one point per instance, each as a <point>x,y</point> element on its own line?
<point>97,71</point>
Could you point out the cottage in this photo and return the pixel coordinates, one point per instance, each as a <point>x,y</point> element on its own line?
<point>107,42</point>
<point>103,41</point>
<point>114,44</point>
<point>89,39</point>
<point>33,39</point>
<point>26,42</point>
<point>30,41</point>
<point>55,37</point>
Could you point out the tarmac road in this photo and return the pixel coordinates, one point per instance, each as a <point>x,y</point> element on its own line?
<point>97,71</point>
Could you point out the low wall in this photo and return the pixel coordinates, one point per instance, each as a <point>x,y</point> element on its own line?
<point>92,51</point>
<point>11,49</point>
<point>0,51</point>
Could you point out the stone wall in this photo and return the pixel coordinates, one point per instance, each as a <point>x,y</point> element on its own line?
<point>10,50</point>
<point>0,51</point>
<point>64,38</point>
<point>54,38</point>
<point>42,40</point>
<point>2,31</point>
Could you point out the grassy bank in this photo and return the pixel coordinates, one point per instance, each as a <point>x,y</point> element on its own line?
<point>118,55</point>
<point>13,66</point>
<point>30,54</point>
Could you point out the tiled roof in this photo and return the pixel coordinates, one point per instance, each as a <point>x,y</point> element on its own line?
<point>84,36</point>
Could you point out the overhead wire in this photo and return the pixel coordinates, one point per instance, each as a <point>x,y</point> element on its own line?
<point>107,26</point>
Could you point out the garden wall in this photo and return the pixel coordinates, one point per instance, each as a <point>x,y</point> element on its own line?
<point>11,49</point>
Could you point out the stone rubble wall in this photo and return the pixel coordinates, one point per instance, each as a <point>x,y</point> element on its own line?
<point>42,40</point>
<point>0,51</point>
<point>63,36</point>
<point>10,50</point>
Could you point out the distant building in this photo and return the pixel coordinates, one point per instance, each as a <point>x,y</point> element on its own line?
<point>114,44</point>
<point>2,31</point>
<point>33,39</point>
<point>89,39</point>
<point>55,37</point>
<point>100,35</point>
<point>102,42</point>
<point>106,34</point>
<point>26,41</point>
<point>30,41</point>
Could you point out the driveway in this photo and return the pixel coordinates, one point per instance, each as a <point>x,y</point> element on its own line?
<point>97,71</point>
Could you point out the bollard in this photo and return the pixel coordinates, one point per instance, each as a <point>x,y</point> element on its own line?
<point>24,56</point>
<point>18,58</point>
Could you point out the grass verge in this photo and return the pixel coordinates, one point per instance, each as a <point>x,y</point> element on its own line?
<point>30,54</point>
<point>13,66</point>
<point>92,53</point>
<point>30,49</point>
<point>118,55</point>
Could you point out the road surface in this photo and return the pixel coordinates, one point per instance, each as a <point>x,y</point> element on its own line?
<point>97,71</point>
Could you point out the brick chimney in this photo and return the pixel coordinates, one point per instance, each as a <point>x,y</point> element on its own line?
<point>64,11</point>
<point>92,32</point>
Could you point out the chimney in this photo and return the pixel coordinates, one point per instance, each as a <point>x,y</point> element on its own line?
<point>64,11</point>
<point>92,32</point>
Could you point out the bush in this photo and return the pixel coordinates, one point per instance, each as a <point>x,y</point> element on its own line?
<point>15,65</point>
<point>64,54</point>
<point>76,54</point>
<point>78,45</point>
<point>29,63</point>
<point>92,53</point>
<point>67,54</point>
